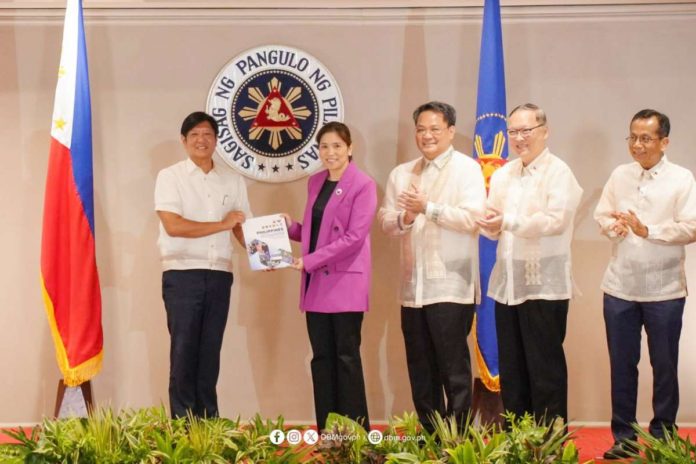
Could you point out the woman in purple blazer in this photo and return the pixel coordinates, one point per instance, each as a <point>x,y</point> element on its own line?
<point>336,265</point>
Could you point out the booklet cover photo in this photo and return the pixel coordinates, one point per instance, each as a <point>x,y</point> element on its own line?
<point>267,242</point>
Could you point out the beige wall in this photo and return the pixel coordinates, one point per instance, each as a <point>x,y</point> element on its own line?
<point>590,67</point>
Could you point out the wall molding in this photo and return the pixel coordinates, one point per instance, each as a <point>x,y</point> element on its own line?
<point>304,4</point>
<point>207,15</point>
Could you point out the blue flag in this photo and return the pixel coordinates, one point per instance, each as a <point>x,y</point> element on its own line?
<point>490,150</point>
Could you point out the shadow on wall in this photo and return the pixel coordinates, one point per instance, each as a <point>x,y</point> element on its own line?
<point>147,309</point>
<point>386,377</point>
<point>131,284</point>
<point>268,315</point>
<point>588,374</point>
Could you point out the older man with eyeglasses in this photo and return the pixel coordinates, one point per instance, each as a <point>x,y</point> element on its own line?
<point>530,210</point>
<point>648,211</point>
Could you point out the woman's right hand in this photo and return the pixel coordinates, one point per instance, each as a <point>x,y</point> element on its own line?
<point>297,264</point>
<point>288,219</point>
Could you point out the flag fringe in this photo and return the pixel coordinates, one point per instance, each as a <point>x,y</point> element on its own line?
<point>491,382</point>
<point>72,376</point>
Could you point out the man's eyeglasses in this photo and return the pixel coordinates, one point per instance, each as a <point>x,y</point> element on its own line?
<point>643,139</point>
<point>512,133</point>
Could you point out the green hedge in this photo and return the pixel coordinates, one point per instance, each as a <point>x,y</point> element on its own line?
<point>150,436</point>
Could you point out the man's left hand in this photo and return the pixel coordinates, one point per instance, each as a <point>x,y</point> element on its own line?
<point>632,221</point>
<point>413,201</point>
<point>493,221</point>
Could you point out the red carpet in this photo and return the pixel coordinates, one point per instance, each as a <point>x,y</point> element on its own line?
<point>5,439</point>
<point>592,442</point>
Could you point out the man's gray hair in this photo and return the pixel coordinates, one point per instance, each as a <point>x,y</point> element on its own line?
<point>538,112</point>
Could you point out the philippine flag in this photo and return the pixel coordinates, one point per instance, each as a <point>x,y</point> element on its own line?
<point>69,278</point>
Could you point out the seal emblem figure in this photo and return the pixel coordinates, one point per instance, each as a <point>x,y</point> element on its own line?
<point>269,103</point>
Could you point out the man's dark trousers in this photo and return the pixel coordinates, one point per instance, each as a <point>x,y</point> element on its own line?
<point>437,355</point>
<point>197,303</point>
<point>532,364</point>
<point>624,321</point>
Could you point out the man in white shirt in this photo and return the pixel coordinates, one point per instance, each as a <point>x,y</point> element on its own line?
<point>198,204</point>
<point>648,211</point>
<point>432,203</point>
<point>531,205</point>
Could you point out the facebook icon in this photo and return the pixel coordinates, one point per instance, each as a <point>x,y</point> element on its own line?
<point>277,436</point>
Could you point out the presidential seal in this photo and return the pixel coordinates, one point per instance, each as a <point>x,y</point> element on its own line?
<point>269,103</point>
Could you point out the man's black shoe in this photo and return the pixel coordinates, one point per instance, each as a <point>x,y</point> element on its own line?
<point>620,450</point>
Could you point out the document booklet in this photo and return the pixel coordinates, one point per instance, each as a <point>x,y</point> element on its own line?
<point>267,242</point>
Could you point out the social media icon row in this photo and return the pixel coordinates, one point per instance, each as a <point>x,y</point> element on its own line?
<point>311,437</point>
<point>294,437</point>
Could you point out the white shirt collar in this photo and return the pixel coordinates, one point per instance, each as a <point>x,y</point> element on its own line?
<point>536,164</point>
<point>440,160</point>
<point>192,167</point>
<point>654,171</point>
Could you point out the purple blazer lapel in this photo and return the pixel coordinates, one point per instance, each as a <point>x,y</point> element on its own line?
<point>342,190</point>
<point>313,188</point>
<point>340,193</point>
